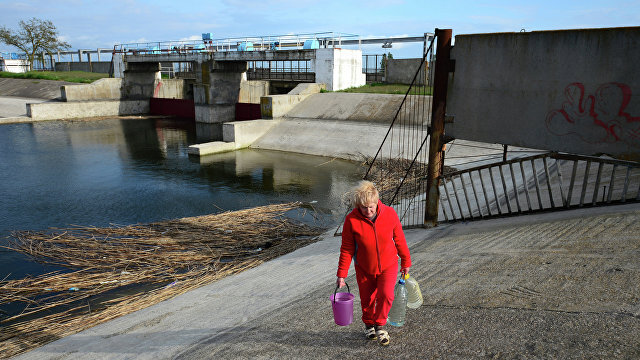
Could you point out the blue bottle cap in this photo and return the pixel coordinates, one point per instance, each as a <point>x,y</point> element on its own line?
<point>401,281</point>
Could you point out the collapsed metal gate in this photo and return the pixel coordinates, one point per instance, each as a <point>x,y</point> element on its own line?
<point>550,181</point>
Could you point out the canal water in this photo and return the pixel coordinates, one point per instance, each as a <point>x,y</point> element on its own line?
<point>126,171</point>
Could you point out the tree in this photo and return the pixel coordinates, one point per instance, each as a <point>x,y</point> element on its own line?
<point>34,37</point>
<point>383,62</point>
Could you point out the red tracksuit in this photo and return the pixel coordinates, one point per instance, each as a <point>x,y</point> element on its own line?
<point>376,247</point>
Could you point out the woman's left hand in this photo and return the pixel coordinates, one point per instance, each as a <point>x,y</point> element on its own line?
<point>404,271</point>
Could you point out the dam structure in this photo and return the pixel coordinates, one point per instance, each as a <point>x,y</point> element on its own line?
<point>220,75</point>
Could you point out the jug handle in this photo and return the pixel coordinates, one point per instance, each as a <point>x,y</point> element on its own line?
<point>336,291</point>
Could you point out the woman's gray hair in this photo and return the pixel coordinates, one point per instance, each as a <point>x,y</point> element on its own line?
<point>364,194</point>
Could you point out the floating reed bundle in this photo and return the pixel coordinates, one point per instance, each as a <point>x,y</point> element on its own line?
<point>121,269</point>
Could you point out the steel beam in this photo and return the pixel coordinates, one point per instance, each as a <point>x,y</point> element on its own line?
<point>436,155</point>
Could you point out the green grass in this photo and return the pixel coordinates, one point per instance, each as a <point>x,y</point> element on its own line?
<point>70,76</point>
<point>380,88</point>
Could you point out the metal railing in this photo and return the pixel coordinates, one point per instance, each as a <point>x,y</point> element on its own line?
<point>246,43</point>
<point>281,70</point>
<point>550,181</point>
<point>372,67</point>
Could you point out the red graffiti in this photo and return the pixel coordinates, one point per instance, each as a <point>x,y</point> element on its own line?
<point>598,118</point>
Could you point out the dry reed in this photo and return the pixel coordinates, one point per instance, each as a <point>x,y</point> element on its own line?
<point>120,269</point>
<point>388,174</point>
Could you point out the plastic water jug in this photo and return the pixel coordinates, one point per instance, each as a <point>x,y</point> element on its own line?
<point>399,306</point>
<point>414,299</point>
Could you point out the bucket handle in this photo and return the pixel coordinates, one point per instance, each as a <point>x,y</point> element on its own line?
<point>336,291</point>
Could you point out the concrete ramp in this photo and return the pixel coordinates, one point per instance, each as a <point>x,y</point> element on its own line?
<point>371,108</point>
<point>340,125</point>
<point>333,138</point>
<point>32,88</point>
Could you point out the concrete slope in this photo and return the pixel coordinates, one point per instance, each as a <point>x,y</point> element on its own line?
<point>15,106</point>
<point>340,125</point>
<point>32,88</point>
<point>370,108</point>
<point>557,285</point>
<point>332,138</point>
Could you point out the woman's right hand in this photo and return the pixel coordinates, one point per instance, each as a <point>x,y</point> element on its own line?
<point>340,282</point>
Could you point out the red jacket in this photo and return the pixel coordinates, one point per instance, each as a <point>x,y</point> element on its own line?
<point>375,245</point>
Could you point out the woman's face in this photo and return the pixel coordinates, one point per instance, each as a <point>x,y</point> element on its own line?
<point>369,210</point>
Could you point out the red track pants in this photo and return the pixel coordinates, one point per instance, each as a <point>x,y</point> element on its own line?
<point>376,294</point>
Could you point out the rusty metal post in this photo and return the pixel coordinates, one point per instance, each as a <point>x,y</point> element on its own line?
<point>436,155</point>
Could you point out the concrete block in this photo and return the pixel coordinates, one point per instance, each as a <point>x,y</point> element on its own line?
<point>15,120</point>
<point>368,108</point>
<point>171,89</point>
<point>209,148</point>
<point>307,89</point>
<point>86,109</point>
<point>275,106</point>
<point>140,80</point>
<point>219,113</point>
<point>103,89</point>
<point>339,68</point>
<point>244,133</point>
<point>251,91</point>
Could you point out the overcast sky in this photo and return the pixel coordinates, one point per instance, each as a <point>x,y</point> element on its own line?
<point>91,24</point>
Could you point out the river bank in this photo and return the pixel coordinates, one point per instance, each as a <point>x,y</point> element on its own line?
<point>559,285</point>
<point>117,270</point>
<point>129,171</point>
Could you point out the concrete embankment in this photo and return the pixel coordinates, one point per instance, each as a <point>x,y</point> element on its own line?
<point>340,125</point>
<point>16,94</point>
<point>32,88</point>
<point>558,285</point>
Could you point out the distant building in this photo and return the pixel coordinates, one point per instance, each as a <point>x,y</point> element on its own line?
<point>13,62</point>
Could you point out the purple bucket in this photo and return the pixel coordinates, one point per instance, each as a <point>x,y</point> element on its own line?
<point>342,304</point>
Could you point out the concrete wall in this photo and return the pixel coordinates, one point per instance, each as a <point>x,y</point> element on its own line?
<point>251,91</point>
<point>575,91</point>
<point>86,109</point>
<point>275,106</point>
<point>402,71</point>
<point>31,88</point>
<point>365,108</point>
<point>102,89</point>
<point>94,66</point>
<point>111,89</point>
<point>118,65</point>
<point>244,133</point>
<point>217,89</point>
<point>339,68</point>
<point>172,89</point>
<point>140,80</point>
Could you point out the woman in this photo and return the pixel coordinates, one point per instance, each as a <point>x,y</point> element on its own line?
<point>372,233</point>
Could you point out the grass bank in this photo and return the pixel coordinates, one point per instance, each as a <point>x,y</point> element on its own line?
<point>70,76</point>
<point>380,88</point>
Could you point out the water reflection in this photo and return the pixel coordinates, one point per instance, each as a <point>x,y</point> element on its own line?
<point>124,171</point>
